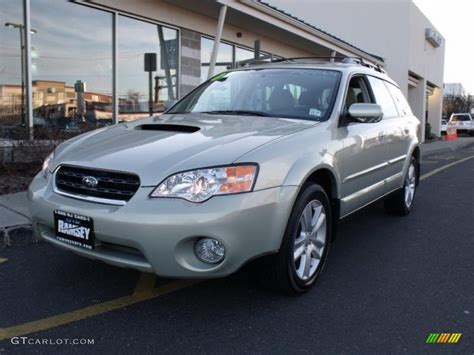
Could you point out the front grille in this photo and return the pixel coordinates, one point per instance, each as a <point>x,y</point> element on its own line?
<point>111,185</point>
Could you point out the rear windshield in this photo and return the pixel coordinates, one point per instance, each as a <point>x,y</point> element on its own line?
<point>461,118</point>
<point>288,93</point>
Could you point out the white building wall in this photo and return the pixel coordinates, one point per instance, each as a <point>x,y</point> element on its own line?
<point>424,59</point>
<point>380,27</point>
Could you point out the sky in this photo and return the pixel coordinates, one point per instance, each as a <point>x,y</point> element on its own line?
<point>454,19</point>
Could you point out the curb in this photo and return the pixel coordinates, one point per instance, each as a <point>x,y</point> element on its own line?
<point>5,235</point>
<point>439,150</point>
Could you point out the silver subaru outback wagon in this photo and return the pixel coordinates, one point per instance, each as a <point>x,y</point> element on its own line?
<point>262,161</point>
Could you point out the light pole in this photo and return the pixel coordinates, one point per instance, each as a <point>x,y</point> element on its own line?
<point>22,55</point>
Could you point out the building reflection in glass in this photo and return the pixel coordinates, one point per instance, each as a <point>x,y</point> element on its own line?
<point>74,43</point>
<point>11,78</point>
<point>135,38</point>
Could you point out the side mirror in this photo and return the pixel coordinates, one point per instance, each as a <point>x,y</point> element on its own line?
<point>365,113</point>
<point>169,104</point>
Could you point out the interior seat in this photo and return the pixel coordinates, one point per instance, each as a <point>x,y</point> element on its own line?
<point>351,97</point>
<point>281,100</point>
<point>309,98</point>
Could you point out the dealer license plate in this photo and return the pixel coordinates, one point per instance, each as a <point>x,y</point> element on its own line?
<point>74,229</point>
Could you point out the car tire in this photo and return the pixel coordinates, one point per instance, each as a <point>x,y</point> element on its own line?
<point>401,202</point>
<point>307,236</point>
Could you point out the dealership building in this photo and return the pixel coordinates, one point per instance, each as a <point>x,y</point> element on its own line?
<point>66,60</point>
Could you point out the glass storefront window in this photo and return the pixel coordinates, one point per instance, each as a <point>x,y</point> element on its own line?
<point>11,74</point>
<point>242,54</point>
<point>224,57</point>
<point>135,38</point>
<point>229,56</point>
<point>71,66</point>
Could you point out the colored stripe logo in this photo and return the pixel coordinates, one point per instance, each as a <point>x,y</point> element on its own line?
<point>443,338</point>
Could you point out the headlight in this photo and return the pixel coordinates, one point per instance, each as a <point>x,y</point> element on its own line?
<point>200,185</point>
<point>47,164</point>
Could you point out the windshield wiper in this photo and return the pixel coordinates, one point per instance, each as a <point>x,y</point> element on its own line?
<point>238,112</point>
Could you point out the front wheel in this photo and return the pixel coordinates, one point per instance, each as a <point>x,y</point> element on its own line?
<point>305,245</point>
<point>401,202</point>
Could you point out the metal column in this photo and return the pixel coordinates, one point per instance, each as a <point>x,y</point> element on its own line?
<point>28,99</point>
<point>217,40</point>
<point>115,98</point>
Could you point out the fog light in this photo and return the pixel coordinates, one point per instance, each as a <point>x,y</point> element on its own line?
<point>209,250</point>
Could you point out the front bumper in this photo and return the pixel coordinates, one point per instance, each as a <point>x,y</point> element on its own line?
<point>158,234</point>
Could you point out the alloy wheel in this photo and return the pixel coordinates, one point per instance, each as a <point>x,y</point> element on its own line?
<point>310,240</point>
<point>410,185</point>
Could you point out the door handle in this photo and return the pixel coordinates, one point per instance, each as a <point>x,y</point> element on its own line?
<point>381,136</point>
<point>406,130</point>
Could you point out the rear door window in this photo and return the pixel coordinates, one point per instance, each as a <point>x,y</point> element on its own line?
<point>402,104</point>
<point>383,97</point>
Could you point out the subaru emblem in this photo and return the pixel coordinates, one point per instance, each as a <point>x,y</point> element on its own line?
<point>89,181</point>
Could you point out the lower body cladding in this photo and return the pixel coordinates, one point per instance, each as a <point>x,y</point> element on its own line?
<point>159,234</point>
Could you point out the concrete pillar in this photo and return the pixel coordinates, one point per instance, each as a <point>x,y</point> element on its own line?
<point>417,100</point>
<point>435,111</point>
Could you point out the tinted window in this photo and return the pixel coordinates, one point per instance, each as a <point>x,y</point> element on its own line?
<point>461,118</point>
<point>306,94</point>
<point>383,97</point>
<point>402,104</point>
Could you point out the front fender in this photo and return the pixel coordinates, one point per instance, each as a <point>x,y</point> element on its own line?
<point>291,160</point>
<point>304,167</point>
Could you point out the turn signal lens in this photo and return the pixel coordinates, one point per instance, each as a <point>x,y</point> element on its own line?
<point>239,179</point>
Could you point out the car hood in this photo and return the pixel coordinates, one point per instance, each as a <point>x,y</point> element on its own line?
<point>156,147</point>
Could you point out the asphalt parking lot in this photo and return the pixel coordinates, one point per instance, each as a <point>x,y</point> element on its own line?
<point>389,283</point>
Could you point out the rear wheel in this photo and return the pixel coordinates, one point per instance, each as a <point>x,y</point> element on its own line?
<point>305,245</point>
<point>401,202</point>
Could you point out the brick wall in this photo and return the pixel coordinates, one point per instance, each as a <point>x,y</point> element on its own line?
<point>190,61</point>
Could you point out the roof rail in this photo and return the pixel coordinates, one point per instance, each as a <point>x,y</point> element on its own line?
<point>362,62</point>
<point>340,59</point>
<point>321,58</point>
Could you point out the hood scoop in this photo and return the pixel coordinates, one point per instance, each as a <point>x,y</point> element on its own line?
<point>168,128</point>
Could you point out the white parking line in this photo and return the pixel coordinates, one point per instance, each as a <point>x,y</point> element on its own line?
<point>436,171</point>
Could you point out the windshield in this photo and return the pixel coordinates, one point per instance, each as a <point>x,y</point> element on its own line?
<point>289,93</point>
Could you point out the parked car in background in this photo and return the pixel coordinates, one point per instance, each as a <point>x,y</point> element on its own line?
<point>444,127</point>
<point>463,122</point>
<point>261,161</point>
